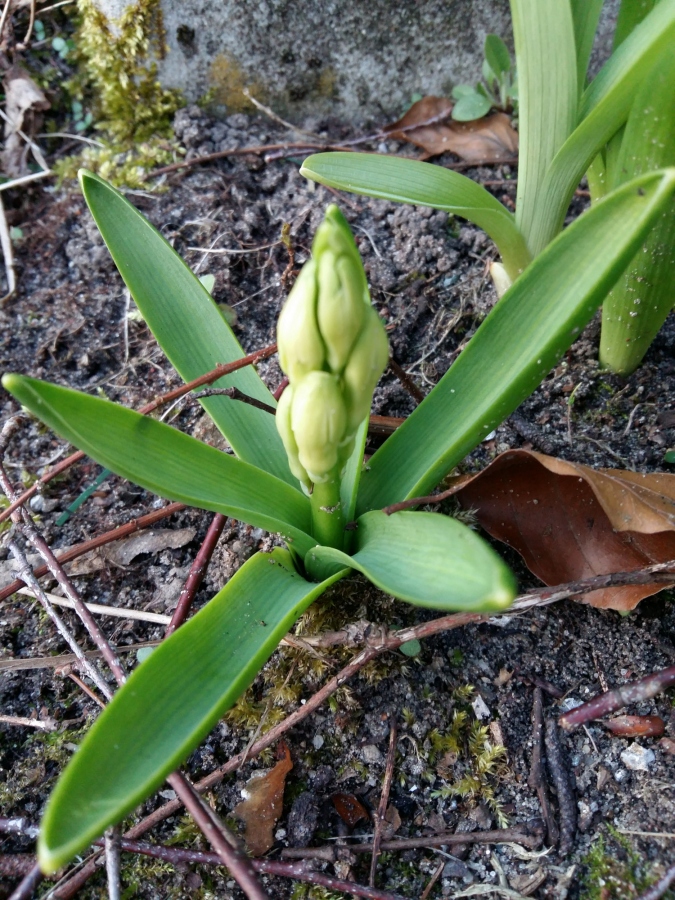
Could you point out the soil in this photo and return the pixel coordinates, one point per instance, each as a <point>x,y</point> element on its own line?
<point>69,322</point>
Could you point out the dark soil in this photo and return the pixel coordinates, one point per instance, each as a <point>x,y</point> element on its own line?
<point>69,323</point>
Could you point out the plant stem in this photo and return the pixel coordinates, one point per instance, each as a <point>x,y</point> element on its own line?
<point>328,525</point>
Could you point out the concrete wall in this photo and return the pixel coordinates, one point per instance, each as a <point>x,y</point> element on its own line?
<point>354,59</point>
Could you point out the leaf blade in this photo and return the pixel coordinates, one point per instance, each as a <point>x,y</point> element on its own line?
<point>166,461</point>
<point>190,328</point>
<point>535,322</point>
<point>423,184</point>
<point>188,671</point>
<point>426,559</point>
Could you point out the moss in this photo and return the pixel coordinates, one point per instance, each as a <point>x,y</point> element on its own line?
<point>118,80</point>
<point>227,85</point>
<point>614,870</point>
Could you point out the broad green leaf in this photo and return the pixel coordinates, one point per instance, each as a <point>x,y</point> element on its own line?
<point>497,55</point>
<point>462,90</point>
<point>349,485</point>
<point>171,702</point>
<point>586,14</point>
<point>423,184</point>
<point>547,106</point>
<point>166,461</point>
<point>603,110</point>
<point>521,340</point>
<point>186,322</point>
<point>470,107</point>
<point>426,559</point>
<point>637,307</point>
<point>631,13</point>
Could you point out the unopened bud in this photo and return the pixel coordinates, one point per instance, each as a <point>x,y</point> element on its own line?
<point>367,362</point>
<point>341,306</point>
<point>301,349</point>
<point>283,421</point>
<point>318,419</point>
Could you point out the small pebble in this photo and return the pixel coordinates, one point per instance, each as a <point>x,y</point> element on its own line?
<point>480,708</point>
<point>318,741</point>
<point>637,758</point>
<point>371,754</point>
<point>455,868</point>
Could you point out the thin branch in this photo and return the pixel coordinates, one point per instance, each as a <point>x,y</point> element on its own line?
<point>406,380</point>
<point>196,573</point>
<point>558,767</point>
<point>48,724</point>
<point>65,659</point>
<point>611,701</point>
<point>112,861</point>
<point>235,394</point>
<point>108,537</point>
<point>432,881</point>
<point>118,612</point>
<point>657,890</point>
<point>418,501</point>
<point>536,779</point>
<point>220,839</point>
<point>220,371</point>
<point>27,887</point>
<point>16,865</point>
<point>7,252</point>
<point>380,815</point>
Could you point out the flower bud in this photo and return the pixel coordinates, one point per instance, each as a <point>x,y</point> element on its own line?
<point>283,422</point>
<point>366,363</point>
<point>301,349</point>
<point>341,306</point>
<point>318,419</point>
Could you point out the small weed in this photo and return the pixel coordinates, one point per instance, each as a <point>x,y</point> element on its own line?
<point>615,870</point>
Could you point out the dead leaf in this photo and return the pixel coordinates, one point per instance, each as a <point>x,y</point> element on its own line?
<point>570,522</point>
<point>262,805</point>
<point>121,553</point>
<point>349,808</point>
<point>24,102</point>
<point>635,726</point>
<point>427,124</point>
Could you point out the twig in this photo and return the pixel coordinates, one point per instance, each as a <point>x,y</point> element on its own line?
<point>196,573</point>
<point>7,251</point>
<point>16,865</point>
<point>219,372</point>
<point>238,151</point>
<point>108,537</point>
<point>418,501</point>
<point>3,19</point>
<point>25,179</point>
<point>112,861</point>
<point>656,891</point>
<point>25,890</point>
<point>29,30</point>
<point>558,768</point>
<point>432,881</point>
<point>65,659</point>
<point>610,701</point>
<point>379,816</point>
<point>235,394</point>
<point>536,778</point>
<point>99,609</point>
<point>275,118</point>
<point>68,673</point>
<point>23,721</point>
<point>518,835</point>
<point>406,380</point>
<point>222,842</point>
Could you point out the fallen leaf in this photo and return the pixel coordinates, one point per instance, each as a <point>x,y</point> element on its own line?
<point>427,124</point>
<point>636,726</point>
<point>262,805</point>
<point>349,808</point>
<point>570,522</point>
<point>24,102</point>
<point>121,553</point>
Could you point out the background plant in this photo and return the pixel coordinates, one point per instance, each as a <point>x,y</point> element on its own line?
<point>208,662</point>
<point>563,126</point>
<point>499,87</point>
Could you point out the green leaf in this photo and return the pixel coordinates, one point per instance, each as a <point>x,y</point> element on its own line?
<point>603,110</point>
<point>470,107</point>
<point>349,484</point>
<point>521,340</point>
<point>186,322</point>
<point>171,702</point>
<point>669,457</point>
<point>166,461</point>
<point>423,184</point>
<point>462,90</point>
<point>631,13</point>
<point>586,15</point>
<point>637,307</point>
<point>547,104</point>
<point>497,55</point>
<point>426,559</point>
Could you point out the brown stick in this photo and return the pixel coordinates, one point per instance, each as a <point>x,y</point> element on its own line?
<point>406,380</point>
<point>219,372</point>
<point>432,881</point>
<point>379,816</point>
<point>656,891</point>
<point>609,702</point>
<point>27,887</point>
<point>220,839</point>
<point>418,501</point>
<point>235,394</point>
<point>536,779</point>
<point>558,768</point>
<point>16,865</point>
<point>196,573</point>
<point>108,537</point>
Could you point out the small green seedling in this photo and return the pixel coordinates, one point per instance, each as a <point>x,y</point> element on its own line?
<point>300,474</point>
<point>498,89</point>
<point>565,127</point>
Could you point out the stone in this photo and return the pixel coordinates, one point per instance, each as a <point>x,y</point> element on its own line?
<point>637,758</point>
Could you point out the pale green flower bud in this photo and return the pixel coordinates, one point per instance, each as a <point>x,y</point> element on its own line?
<point>318,419</point>
<point>341,306</point>
<point>366,363</point>
<point>301,349</point>
<point>283,422</point>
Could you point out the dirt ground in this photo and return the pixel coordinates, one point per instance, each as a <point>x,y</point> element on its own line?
<point>71,322</point>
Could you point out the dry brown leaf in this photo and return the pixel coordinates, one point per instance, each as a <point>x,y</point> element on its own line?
<point>121,553</point>
<point>350,809</point>
<point>24,102</point>
<point>427,124</point>
<point>570,522</point>
<point>262,805</point>
<point>636,726</point>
